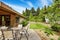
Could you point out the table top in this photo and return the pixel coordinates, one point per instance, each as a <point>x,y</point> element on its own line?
<point>15,28</point>
<point>3,28</point>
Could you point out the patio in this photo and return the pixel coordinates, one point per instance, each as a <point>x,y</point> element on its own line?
<point>32,35</point>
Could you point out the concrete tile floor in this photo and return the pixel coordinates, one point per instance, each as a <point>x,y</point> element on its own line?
<point>32,35</point>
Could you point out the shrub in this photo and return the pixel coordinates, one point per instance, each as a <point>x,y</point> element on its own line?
<point>59,38</point>
<point>56,27</point>
<point>24,23</point>
<point>51,39</point>
<point>48,31</point>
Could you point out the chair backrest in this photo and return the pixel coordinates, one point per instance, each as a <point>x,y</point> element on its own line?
<point>8,34</point>
<point>0,33</point>
<point>27,27</point>
<point>20,26</point>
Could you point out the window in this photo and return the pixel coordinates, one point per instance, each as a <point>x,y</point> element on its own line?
<point>17,19</point>
<point>2,18</point>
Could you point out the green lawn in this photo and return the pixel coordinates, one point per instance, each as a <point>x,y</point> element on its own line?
<point>44,28</point>
<point>37,26</point>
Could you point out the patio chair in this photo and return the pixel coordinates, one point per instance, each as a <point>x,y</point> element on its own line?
<point>24,32</point>
<point>1,35</point>
<point>8,35</point>
<point>15,32</point>
<point>20,26</point>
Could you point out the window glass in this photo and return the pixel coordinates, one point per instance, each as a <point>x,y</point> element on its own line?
<point>17,19</point>
<point>2,18</point>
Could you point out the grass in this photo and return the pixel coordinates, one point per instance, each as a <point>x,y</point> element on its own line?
<point>37,26</point>
<point>44,28</point>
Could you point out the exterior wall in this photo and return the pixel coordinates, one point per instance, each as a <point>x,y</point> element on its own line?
<point>21,19</point>
<point>3,13</point>
<point>12,16</point>
<point>13,22</point>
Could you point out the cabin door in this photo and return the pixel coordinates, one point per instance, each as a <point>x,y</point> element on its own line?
<point>7,20</point>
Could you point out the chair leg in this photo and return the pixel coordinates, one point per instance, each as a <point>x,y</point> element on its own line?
<point>27,33</point>
<point>20,37</point>
<point>26,36</point>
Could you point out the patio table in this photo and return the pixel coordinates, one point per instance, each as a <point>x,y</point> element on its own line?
<point>2,30</point>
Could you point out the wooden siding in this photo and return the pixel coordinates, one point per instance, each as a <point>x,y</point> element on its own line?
<point>6,10</point>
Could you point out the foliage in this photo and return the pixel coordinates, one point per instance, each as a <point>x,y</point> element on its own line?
<point>31,18</point>
<point>59,38</point>
<point>51,39</point>
<point>37,26</point>
<point>56,27</point>
<point>24,23</point>
<point>52,12</point>
<point>48,31</point>
<point>38,11</point>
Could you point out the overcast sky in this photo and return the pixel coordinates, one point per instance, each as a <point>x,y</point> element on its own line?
<point>20,5</point>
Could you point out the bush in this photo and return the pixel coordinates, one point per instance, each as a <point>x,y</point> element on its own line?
<point>48,31</point>
<point>59,38</point>
<point>24,23</point>
<point>56,27</point>
<point>51,39</point>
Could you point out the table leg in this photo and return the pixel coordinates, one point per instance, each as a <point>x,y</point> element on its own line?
<point>13,35</point>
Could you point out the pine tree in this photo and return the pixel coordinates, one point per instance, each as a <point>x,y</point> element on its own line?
<point>33,11</point>
<point>24,13</point>
<point>45,10</point>
<point>55,1</point>
<point>27,12</point>
<point>30,17</point>
<point>38,11</point>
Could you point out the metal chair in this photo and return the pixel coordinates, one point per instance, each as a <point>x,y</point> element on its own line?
<point>24,32</point>
<point>1,37</point>
<point>15,32</point>
<point>3,28</point>
<point>8,35</point>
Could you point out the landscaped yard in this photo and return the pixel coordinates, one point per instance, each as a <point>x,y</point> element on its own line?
<point>42,27</point>
<point>37,26</point>
<point>44,30</point>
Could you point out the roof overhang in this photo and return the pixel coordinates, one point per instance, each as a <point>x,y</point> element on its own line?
<point>6,8</point>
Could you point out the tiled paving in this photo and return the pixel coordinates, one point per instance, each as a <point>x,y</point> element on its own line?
<point>32,35</point>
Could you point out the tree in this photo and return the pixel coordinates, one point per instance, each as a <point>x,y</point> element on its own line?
<point>31,17</point>
<point>45,9</point>
<point>56,0</point>
<point>52,12</point>
<point>27,12</point>
<point>24,13</point>
<point>38,11</point>
<point>33,11</point>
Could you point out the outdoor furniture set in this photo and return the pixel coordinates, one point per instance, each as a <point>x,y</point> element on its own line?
<point>17,32</point>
